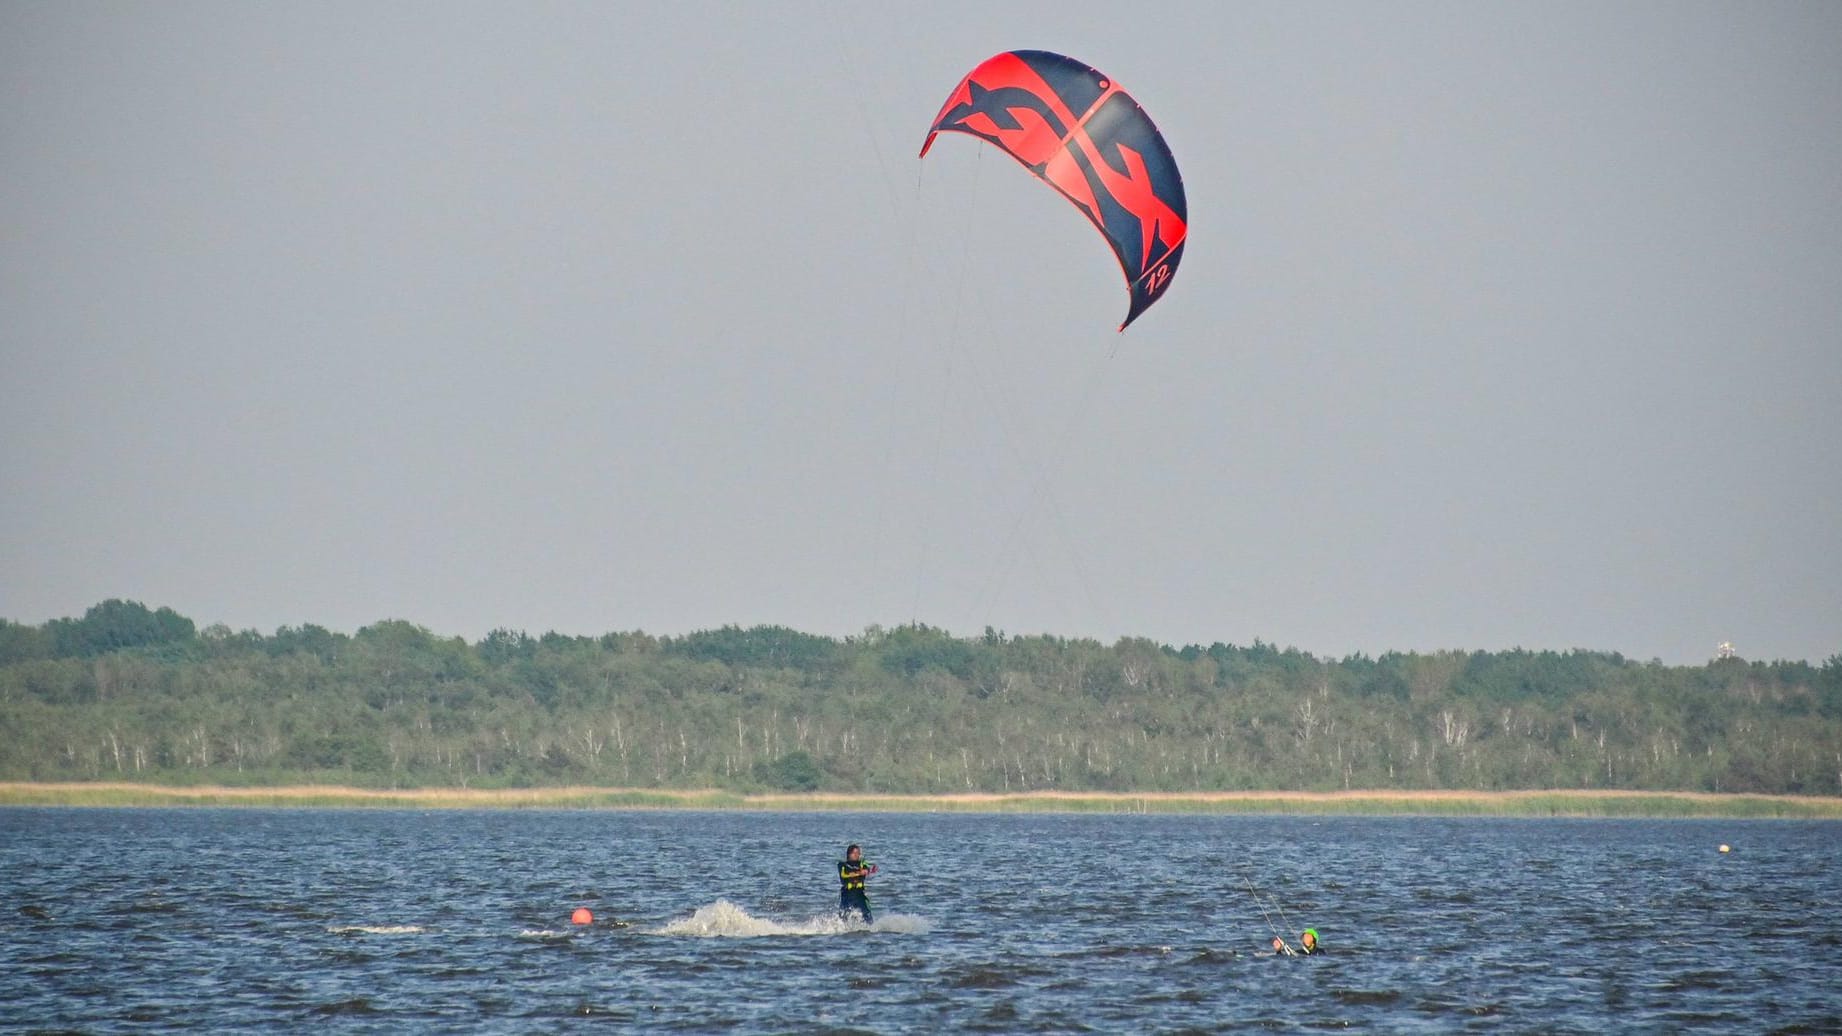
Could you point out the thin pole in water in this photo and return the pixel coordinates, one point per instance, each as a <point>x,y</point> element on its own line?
<point>1283,919</point>
<point>1269,920</point>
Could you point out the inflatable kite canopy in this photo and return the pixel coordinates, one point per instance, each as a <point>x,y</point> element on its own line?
<point>1081,134</point>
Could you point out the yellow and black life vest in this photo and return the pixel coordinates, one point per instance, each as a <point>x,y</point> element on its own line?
<point>852,875</point>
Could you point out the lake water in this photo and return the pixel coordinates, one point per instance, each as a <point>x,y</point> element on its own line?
<point>403,921</point>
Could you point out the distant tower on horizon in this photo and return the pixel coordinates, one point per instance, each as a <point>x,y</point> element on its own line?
<point>1725,650</point>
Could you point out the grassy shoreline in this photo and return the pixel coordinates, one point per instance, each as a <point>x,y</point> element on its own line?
<point>1542,803</point>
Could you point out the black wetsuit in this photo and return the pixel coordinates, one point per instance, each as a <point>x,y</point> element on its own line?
<point>851,895</point>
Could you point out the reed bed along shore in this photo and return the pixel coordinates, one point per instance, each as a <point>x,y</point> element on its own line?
<point>1543,803</point>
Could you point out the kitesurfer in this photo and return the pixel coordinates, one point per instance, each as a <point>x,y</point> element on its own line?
<point>851,874</point>
<point>1307,945</point>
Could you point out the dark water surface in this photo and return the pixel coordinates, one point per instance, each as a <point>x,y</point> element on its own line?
<point>363,921</point>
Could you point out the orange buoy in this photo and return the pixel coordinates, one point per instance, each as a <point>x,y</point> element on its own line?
<point>582,916</point>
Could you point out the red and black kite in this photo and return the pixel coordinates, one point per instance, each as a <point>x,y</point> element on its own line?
<point>1083,135</point>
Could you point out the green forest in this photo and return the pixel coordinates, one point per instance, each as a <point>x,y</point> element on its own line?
<point>138,694</point>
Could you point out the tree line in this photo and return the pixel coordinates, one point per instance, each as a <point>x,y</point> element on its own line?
<point>128,692</point>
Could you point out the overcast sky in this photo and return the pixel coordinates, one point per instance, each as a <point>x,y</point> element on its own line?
<point>1499,324</point>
